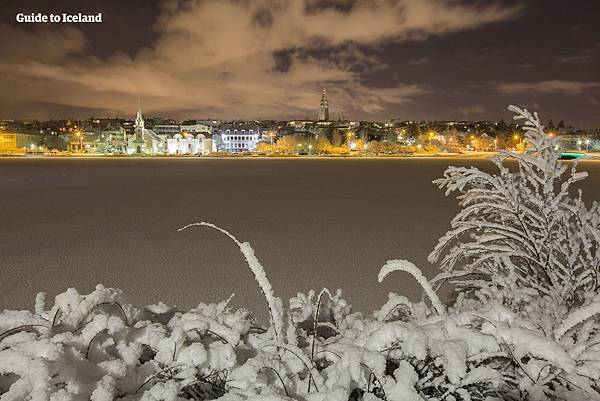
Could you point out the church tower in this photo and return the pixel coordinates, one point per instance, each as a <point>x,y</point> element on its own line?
<point>138,144</point>
<point>324,110</point>
<point>139,119</point>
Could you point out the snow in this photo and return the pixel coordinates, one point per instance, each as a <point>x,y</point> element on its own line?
<point>578,316</point>
<point>406,266</point>
<point>521,255</point>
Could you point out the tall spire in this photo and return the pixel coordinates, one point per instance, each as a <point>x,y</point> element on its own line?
<point>324,109</point>
<point>139,119</point>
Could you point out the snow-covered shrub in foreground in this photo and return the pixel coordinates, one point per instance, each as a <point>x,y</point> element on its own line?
<point>523,255</point>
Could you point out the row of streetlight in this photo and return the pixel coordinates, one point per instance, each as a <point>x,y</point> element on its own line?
<point>587,143</point>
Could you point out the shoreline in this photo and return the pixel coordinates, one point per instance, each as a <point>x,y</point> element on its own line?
<point>482,155</point>
<point>470,156</point>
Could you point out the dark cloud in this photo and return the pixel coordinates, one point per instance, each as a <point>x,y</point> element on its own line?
<point>549,87</point>
<point>270,58</point>
<point>471,111</point>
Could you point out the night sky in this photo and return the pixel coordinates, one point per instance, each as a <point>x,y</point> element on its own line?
<point>378,59</point>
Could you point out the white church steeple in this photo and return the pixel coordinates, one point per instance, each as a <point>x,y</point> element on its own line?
<point>139,119</point>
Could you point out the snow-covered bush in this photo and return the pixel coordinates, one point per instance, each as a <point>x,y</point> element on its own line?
<point>522,254</point>
<point>523,230</point>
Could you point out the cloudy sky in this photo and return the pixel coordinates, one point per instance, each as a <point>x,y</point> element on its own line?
<point>378,59</point>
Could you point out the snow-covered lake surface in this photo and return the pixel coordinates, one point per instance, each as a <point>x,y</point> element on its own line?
<point>312,222</point>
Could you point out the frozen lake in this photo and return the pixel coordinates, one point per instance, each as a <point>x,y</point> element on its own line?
<point>312,222</point>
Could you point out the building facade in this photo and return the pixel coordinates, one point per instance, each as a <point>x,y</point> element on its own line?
<point>166,130</point>
<point>237,138</point>
<point>193,127</point>
<point>188,144</point>
<point>8,142</point>
<point>113,139</point>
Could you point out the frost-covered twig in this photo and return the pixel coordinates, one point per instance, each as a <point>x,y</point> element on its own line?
<point>303,360</point>
<point>120,307</point>
<point>25,327</point>
<point>279,376</point>
<point>409,267</point>
<point>578,316</point>
<point>316,319</point>
<point>259,275</point>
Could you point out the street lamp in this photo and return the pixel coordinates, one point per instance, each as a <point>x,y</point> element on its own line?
<point>587,144</point>
<point>517,139</point>
<point>431,134</point>
<point>80,141</point>
<point>349,135</point>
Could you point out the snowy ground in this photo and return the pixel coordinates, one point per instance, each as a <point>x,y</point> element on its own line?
<point>313,223</point>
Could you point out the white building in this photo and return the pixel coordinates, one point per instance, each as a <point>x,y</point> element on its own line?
<point>238,137</point>
<point>188,144</point>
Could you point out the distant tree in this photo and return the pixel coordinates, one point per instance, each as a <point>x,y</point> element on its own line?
<point>322,145</point>
<point>55,143</point>
<point>561,125</point>
<point>374,147</point>
<point>336,138</point>
<point>360,145</point>
<point>287,144</point>
<point>265,147</point>
<point>550,125</point>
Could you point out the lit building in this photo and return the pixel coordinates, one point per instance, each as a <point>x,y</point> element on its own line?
<point>197,127</point>
<point>166,130</point>
<point>28,141</point>
<point>143,140</point>
<point>188,144</point>
<point>237,137</point>
<point>8,142</point>
<point>113,139</point>
<point>324,107</point>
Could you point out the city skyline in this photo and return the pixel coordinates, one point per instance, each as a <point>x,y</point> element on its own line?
<point>413,60</point>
